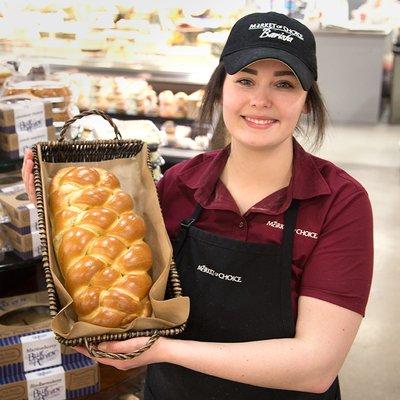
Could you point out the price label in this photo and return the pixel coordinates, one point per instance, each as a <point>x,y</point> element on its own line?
<point>48,384</point>
<point>30,124</point>
<point>40,350</point>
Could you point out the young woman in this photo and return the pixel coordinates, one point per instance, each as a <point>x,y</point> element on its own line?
<point>273,245</point>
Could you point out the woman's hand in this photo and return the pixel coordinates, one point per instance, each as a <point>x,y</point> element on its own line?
<point>27,175</point>
<point>153,355</point>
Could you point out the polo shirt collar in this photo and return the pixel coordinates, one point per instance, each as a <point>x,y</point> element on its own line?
<point>306,182</point>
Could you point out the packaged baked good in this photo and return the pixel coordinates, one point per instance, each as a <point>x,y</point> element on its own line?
<point>181,105</point>
<point>167,104</point>
<point>43,89</point>
<point>194,103</point>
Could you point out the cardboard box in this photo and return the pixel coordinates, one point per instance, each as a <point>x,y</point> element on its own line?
<point>21,211</point>
<point>26,342</point>
<point>26,246</point>
<point>25,110</point>
<point>9,306</point>
<point>24,121</point>
<point>34,351</point>
<point>12,145</point>
<point>58,383</point>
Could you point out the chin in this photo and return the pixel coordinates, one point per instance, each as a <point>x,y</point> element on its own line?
<point>262,144</point>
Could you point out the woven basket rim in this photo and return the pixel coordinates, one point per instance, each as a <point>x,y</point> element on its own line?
<point>51,290</point>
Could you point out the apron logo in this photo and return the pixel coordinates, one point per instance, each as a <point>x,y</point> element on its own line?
<point>298,231</point>
<point>220,275</point>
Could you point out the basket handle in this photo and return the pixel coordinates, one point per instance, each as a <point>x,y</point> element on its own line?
<point>95,352</point>
<point>85,114</point>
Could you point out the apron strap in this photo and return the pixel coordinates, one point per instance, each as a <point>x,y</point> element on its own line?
<point>185,225</point>
<point>286,257</point>
<point>290,225</point>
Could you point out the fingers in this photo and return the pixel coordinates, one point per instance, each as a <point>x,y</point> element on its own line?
<point>28,155</point>
<point>23,165</point>
<point>83,351</point>
<point>31,190</point>
<point>27,175</point>
<point>125,346</point>
<point>122,365</point>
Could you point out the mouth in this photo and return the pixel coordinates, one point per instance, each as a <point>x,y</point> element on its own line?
<point>259,123</point>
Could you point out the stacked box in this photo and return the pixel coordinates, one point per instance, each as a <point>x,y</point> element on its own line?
<point>58,383</point>
<point>22,229</point>
<point>10,314</point>
<point>24,122</point>
<point>22,213</point>
<point>27,246</point>
<point>33,351</point>
<point>26,342</point>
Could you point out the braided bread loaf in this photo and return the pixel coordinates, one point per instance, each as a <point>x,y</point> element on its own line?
<point>98,242</point>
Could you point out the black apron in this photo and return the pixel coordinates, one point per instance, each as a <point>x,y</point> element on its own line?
<point>239,292</point>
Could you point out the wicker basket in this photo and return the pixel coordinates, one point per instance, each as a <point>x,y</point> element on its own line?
<point>81,151</point>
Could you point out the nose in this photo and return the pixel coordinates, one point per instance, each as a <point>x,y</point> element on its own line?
<point>261,98</point>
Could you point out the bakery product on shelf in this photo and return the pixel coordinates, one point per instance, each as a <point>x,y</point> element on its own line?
<point>167,104</point>
<point>181,105</point>
<point>4,74</point>
<point>43,89</point>
<point>98,242</point>
<point>55,92</point>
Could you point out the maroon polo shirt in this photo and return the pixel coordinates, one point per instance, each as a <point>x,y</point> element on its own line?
<point>333,244</point>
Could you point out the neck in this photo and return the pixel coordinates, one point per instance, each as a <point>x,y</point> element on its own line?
<point>269,169</point>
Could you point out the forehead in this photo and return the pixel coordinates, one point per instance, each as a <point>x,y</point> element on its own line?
<point>268,64</point>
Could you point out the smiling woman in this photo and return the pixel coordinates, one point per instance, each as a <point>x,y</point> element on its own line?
<point>261,105</point>
<point>313,114</point>
<point>273,245</point>
<point>284,331</point>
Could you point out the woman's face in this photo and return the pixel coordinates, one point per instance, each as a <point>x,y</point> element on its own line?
<point>262,103</point>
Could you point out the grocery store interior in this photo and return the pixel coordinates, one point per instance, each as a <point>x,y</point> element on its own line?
<point>144,65</point>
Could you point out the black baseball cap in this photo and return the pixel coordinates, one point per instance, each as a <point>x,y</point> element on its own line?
<point>271,35</point>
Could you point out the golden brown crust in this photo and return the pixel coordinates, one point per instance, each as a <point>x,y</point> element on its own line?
<point>98,241</point>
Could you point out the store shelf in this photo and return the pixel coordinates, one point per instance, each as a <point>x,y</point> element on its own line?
<point>11,261</point>
<point>158,69</point>
<point>157,120</point>
<point>154,72</point>
<point>178,154</point>
<point>9,165</point>
<point>19,276</point>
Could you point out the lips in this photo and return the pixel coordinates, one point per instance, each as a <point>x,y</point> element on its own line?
<point>259,122</point>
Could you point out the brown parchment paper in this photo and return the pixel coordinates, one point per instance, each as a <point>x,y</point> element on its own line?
<point>135,179</point>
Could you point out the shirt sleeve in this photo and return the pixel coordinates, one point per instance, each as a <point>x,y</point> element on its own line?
<point>339,270</point>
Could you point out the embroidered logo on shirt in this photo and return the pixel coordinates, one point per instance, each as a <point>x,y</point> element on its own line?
<point>220,275</point>
<point>298,231</point>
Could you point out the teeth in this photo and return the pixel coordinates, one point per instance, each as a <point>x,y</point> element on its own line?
<point>260,121</point>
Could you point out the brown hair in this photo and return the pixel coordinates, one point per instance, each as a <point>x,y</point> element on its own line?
<point>315,120</point>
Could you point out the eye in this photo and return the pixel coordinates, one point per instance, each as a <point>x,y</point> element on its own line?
<point>284,85</point>
<point>244,82</point>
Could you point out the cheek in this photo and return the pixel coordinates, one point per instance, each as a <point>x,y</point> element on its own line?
<point>232,107</point>
<point>292,107</point>
<point>230,98</point>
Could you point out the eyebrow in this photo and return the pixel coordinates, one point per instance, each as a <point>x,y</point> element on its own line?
<point>276,73</point>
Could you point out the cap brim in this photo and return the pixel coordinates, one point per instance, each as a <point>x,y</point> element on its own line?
<point>236,61</point>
